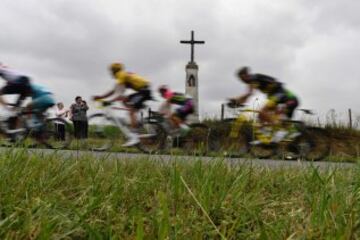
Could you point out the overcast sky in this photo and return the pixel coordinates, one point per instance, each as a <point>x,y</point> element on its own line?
<point>311,46</point>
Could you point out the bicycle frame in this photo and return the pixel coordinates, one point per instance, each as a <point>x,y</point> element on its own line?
<point>242,119</point>
<point>8,131</point>
<point>165,122</point>
<point>20,116</point>
<point>108,111</point>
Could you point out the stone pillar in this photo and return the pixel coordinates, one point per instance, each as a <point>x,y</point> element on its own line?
<point>192,88</point>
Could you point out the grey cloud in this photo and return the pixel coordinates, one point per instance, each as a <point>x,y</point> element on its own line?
<point>68,45</point>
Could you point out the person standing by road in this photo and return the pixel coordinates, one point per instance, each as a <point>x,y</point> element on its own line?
<point>63,113</point>
<point>78,116</point>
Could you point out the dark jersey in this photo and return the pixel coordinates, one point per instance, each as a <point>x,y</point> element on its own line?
<point>265,84</point>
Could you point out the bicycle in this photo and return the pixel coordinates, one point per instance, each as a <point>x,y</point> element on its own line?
<point>196,141</point>
<point>106,130</point>
<point>302,141</point>
<point>25,126</point>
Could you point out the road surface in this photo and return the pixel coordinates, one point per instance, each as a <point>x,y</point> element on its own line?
<point>269,163</point>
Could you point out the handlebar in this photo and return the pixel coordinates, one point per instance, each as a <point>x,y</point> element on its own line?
<point>106,104</point>
<point>306,111</point>
<point>102,102</point>
<point>234,104</point>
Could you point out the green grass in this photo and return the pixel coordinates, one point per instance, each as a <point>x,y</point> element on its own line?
<point>49,196</point>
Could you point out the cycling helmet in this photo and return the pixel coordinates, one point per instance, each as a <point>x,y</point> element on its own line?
<point>116,67</point>
<point>164,91</point>
<point>243,70</point>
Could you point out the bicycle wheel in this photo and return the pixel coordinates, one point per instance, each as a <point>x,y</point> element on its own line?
<point>152,137</point>
<point>17,139</point>
<point>262,147</point>
<point>26,136</point>
<point>56,133</point>
<point>263,151</point>
<point>313,144</point>
<point>196,141</point>
<point>103,132</point>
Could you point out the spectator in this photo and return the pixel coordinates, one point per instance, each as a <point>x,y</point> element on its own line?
<point>78,116</point>
<point>61,112</point>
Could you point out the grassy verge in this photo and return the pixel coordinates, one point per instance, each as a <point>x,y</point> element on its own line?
<point>344,142</point>
<point>45,197</point>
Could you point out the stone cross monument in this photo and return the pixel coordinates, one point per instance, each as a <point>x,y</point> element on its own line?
<point>192,81</point>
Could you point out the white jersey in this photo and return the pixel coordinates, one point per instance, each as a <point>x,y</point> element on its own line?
<point>10,75</point>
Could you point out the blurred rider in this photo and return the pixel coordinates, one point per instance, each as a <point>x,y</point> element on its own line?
<point>279,99</point>
<point>135,101</point>
<point>16,83</point>
<point>179,116</point>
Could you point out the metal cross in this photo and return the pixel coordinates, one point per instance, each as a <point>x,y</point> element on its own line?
<point>192,42</point>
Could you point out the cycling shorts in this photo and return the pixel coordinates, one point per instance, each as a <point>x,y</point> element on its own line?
<point>283,97</point>
<point>136,100</point>
<point>185,110</point>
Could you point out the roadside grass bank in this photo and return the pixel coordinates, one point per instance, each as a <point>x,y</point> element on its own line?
<point>344,142</point>
<point>47,196</point>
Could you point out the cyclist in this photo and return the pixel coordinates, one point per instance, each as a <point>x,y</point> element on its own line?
<point>41,100</point>
<point>178,118</point>
<point>279,99</point>
<point>16,83</point>
<point>135,102</point>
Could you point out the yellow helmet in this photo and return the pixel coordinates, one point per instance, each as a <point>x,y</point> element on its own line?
<point>116,67</point>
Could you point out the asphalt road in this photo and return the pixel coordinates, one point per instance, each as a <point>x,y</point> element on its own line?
<point>269,163</point>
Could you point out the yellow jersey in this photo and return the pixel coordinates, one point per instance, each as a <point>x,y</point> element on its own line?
<point>131,80</point>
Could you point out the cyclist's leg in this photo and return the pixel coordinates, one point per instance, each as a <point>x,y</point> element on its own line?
<point>40,104</point>
<point>133,117</point>
<point>10,89</point>
<point>266,114</point>
<point>270,114</point>
<point>133,137</point>
<point>177,118</point>
<point>291,104</point>
<point>135,102</point>
<point>24,89</point>
<point>181,114</point>
<point>130,102</point>
<point>288,103</point>
<point>187,109</point>
<point>20,87</point>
